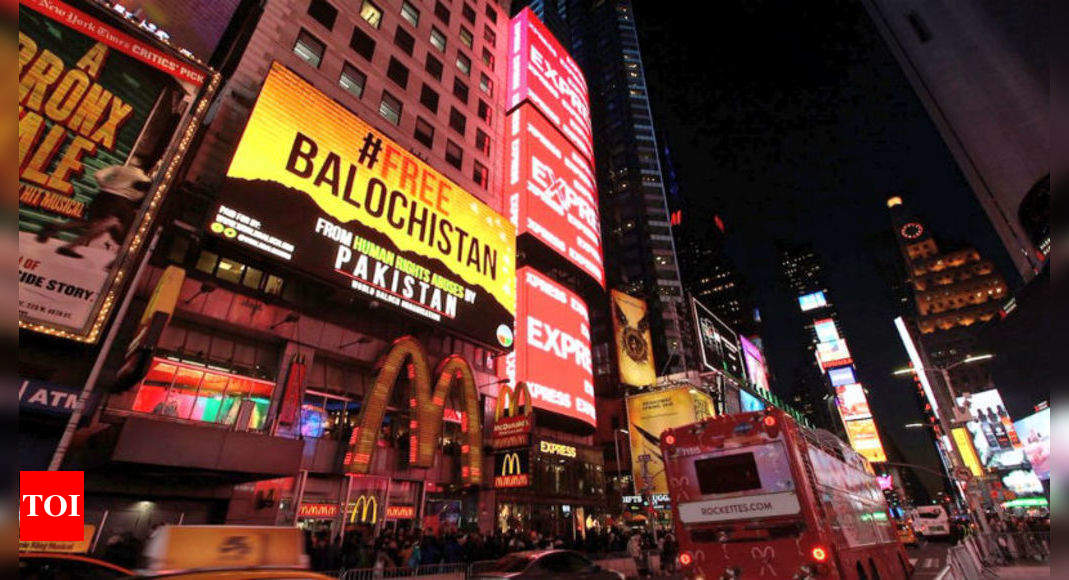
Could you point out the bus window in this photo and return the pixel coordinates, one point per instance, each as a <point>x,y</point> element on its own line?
<point>727,474</point>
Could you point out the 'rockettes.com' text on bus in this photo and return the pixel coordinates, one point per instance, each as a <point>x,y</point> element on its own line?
<point>755,495</point>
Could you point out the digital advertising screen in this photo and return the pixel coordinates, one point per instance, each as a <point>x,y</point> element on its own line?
<point>840,376</point>
<point>826,330</point>
<point>634,347</point>
<point>552,354</point>
<point>551,191</point>
<point>101,114</point>
<point>719,344</point>
<point>1023,482</point>
<point>756,369</point>
<point>833,354</point>
<point>993,433</point>
<point>853,404</point>
<point>1034,431</point>
<point>170,21</point>
<point>750,402</point>
<point>967,451</point>
<point>542,72</point>
<point>316,187</point>
<point>865,439</point>
<point>812,301</point>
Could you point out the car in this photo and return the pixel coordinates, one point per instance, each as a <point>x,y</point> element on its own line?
<point>242,574</point>
<point>540,563</point>
<point>57,566</point>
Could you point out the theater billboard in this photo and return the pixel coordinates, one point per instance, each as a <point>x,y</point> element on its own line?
<point>316,187</point>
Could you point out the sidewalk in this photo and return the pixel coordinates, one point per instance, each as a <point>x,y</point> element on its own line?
<point>1031,571</point>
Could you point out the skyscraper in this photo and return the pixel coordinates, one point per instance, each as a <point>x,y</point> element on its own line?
<point>981,68</point>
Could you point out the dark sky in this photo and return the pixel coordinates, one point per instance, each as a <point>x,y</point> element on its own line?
<point>793,121</point>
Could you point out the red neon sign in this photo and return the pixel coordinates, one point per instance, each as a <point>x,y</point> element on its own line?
<point>542,72</point>
<point>552,353</point>
<point>551,191</point>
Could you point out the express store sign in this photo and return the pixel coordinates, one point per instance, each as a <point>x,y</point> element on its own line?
<point>542,72</point>
<point>551,191</point>
<point>552,354</point>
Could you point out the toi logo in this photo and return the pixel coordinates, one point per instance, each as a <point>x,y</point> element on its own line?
<point>51,506</point>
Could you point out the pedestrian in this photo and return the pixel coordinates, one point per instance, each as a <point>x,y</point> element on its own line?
<point>669,551</point>
<point>638,554</point>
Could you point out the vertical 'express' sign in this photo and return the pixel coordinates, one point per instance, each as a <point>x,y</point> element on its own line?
<point>313,184</point>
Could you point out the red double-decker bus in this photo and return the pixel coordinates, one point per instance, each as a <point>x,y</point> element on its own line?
<point>755,495</point>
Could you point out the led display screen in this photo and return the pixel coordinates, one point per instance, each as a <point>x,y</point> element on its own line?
<point>825,329</point>
<point>315,186</point>
<point>1034,431</point>
<point>634,347</point>
<point>833,354</point>
<point>967,451</point>
<point>865,440</point>
<point>840,376</point>
<point>993,433</point>
<point>1023,482</point>
<point>99,106</point>
<point>552,353</point>
<point>551,191</point>
<point>719,344</point>
<point>812,301</point>
<point>852,402</point>
<point>749,402</point>
<point>756,369</point>
<point>542,72</point>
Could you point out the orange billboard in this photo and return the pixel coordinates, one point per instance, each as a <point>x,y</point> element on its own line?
<point>865,439</point>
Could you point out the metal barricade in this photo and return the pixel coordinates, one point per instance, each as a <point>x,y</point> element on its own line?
<point>436,571</point>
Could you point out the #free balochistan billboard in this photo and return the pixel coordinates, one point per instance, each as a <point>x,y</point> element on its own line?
<point>551,191</point>
<point>104,116</point>
<point>552,354</point>
<point>542,72</point>
<point>315,186</point>
<point>634,347</point>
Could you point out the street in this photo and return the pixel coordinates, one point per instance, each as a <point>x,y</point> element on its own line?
<point>928,560</point>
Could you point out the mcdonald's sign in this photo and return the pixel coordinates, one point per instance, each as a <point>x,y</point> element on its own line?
<point>400,512</point>
<point>512,423</point>
<point>407,355</point>
<point>365,510</point>
<point>317,510</point>
<point>512,469</point>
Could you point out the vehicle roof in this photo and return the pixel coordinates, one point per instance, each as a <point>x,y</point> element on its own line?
<point>77,557</point>
<point>239,573</point>
<point>536,553</point>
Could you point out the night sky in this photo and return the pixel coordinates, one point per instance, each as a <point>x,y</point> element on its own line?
<point>793,121</point>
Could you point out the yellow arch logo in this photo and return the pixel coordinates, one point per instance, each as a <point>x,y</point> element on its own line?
<point>426,407</point>
<point>509,400</point>
<point>511,465</point>
<point>367,506</point>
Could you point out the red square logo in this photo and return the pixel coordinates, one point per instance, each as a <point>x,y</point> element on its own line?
<point>51,506</point>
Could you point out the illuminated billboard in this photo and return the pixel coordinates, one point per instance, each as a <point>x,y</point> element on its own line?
<point>542,72</point>
<point>756,369</point>
<point>719,344</point>
<point>104,118</point>
<point>552,353</point>
<point>825,329</point>
<point>852,402</point>
<point>750,403</point>
<point>833,354</point>
<point>171,21</point>
<point>316,187</point>
<point>1023,482</point>
<point>650,414</point>
<point>551,191</point>
<point>840,376</point>
<point>865,440</point>
<point>634,347</point>
<point>812,301</point>
<point>993,432</point>
<point>967,451</point>
<point>1034,431</point>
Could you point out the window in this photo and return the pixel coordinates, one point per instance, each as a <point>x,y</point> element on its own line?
<point>197,393</point>
<point>463,63</point>
<point>429,98</point>
<point>434,67</point>
<point>352,80</point>
<point>485,84</point>
<point>438,39</point>
<point>457,120</point>
<point>409,13</point>
<point>488,59</point>
<point>362,43</point>
<point>323,13</point>
<point>489,35</point>
<point>480,174</point>
<point>482,141</point>
<point>491,13</point>
<point>273,285</point>
<point>309,48</point>
<point>441,12</point>
<point>454,155</point>
<point>397,72</point>
<point>460,90</point>
<point>424,132</point>
<point>484,111</point>
<point>390,108</point>
<point>371,14</point>
<point>468,13</point>
<point>466,37</point>
<point>404,40</point>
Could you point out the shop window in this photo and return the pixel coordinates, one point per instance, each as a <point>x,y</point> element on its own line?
<point>253,278</point>
<point>404,41</point>
<point>184,391</point>
<point>309,48</point>
<point>434,67</point>
<point>323,13</point>
<point>410,13</point>
<point>327,416</point>
<point>390,108</point>
<point>371,13</point>
<point>352,80</point>
<point>206,262</point>
<point>230,271</point>
<point>273,285</point>
<point>438,39</point>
